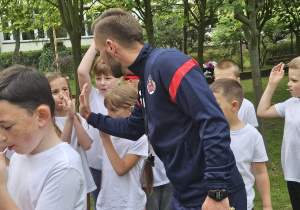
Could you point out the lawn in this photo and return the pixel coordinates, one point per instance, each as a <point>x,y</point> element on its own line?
<point>274,133</point>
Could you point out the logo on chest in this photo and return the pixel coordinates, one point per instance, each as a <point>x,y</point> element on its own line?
<point>150,85</point>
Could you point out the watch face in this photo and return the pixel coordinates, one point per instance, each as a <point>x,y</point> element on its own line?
<point>217,195</point>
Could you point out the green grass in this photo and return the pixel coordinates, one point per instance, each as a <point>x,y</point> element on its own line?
<point>274,134</point>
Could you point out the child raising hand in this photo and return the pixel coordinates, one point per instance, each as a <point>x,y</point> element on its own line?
<point>70,126</point>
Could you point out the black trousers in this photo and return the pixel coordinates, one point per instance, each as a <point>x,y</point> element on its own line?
<point>294,192</point>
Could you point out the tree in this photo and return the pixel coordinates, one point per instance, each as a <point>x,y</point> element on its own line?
<point>16,17</point>
<point>289,12</point>
<point>202,13</point>
<point>71,14</point>
<point>253,15</point>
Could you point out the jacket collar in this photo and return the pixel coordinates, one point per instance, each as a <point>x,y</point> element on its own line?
<point>137,66</point>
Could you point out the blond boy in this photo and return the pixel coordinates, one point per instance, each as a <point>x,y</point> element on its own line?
<point>246,142</point>
<point>104,81</point>
<point>229,69</point>
<point>290,110</point>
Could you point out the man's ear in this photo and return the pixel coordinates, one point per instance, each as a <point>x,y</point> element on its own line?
<point>44,115</point>
<point>110,47</point>
<point>235,106</point>
<point>238,79</point>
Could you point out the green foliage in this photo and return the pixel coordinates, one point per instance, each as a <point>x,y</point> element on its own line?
<point>281,48</point>
<point>48,57</point>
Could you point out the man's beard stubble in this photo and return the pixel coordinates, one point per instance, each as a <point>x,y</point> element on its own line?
<point>115,66</point>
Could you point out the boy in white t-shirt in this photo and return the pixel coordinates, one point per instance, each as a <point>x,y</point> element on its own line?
<point>44,173</point>
<point>290,110</point>
<point>104,82</point>
<point>229,69</point>
<point>246,142</point>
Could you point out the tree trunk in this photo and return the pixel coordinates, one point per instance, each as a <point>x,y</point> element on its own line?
<point>16,34</point>
<point>76,52</point>
<point>201,34</point>
<point>149,22</point>
<point>297,35</point>
<point>256,74</point>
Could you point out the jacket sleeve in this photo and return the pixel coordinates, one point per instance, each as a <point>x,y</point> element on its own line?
<point>190,91</point>
<point>129,128</point>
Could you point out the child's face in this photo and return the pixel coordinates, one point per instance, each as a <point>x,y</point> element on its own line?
<point>115,112</point>
<point>105,83</point>
<point>59,88</point>
<point>220,74</point>
<point>18,129</point>
<point>294,83</point>
<point>224,104</point>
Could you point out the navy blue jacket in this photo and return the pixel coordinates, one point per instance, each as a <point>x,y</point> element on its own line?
<point>188,130</point>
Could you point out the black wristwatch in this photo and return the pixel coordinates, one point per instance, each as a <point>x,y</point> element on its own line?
<point>218,195</point>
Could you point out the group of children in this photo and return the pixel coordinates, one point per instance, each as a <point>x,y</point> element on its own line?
<point>247,143</point>
<point>60,159</point>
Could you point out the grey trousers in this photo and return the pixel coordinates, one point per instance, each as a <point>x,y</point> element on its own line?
<point>161,198</point>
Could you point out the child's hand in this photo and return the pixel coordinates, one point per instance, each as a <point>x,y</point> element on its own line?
<point>277,74</point>
<point>3,171</point>
<point>69,106</point>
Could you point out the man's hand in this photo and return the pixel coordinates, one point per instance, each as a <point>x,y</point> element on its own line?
<point>211,204</point>
<point>84,107</point>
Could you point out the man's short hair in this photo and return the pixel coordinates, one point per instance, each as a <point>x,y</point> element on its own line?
<point>229,88</point>
<point>295,63</point>
<point>119,25</point>
<point>228,65</point>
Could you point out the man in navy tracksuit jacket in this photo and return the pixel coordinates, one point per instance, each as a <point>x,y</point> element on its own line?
<point>187,128</point>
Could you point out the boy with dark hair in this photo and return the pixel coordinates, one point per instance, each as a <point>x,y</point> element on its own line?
<point>229,69</point>
<point>246,142</point>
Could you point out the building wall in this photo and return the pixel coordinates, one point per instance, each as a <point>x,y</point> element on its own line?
<point>26,45</point>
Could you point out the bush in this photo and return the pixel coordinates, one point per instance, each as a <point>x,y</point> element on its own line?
<point>48,57</point>
<point>281,48</point>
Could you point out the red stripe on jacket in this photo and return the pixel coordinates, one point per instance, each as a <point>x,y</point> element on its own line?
<point>179,74</point>
<point>138,103</point>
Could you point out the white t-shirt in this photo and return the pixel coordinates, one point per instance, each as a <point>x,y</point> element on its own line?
<point>53,179</point>
<point>247,113</point>
<point>159,172</point>
<point>248,146</point>
<point>290,151</point>
<point>94,154</point>
<point>60,122</point>
<point>123,192</point>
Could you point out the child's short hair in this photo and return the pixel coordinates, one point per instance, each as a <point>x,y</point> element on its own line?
<point>25,87</point>
<point>229,88</point>
<point>295,63</point>
<point>230,65</point>
<point>122,96</point>
<point>100,68</point>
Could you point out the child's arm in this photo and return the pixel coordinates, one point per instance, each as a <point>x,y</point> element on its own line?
<point>68,127</point>
<point>6,200</point>
<point>121,166</point>
<point>264,108</point>
<point>83,138</point>
<point>85,67</point>
<point>260,173</point>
